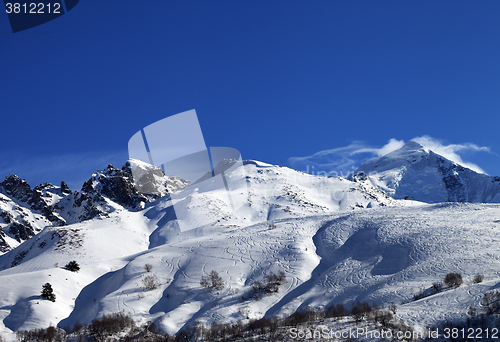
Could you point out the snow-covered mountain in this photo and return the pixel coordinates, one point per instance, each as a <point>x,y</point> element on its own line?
<point>112,249</point>
<point>24,211</point>
<point>336,241</point>
<point>418,173</point>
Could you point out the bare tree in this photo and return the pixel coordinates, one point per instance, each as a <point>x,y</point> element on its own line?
<point>150,282</point>
<point>453,280</point>
<point>269,286</point>
<point>478,278</point>
<point>212,281</point>
<point>491,301</point>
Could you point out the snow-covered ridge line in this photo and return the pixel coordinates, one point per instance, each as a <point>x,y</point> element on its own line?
<point>416,172</point>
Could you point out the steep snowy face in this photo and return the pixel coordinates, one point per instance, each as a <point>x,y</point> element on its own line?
<point>265,193</point>
<point>418,173</point>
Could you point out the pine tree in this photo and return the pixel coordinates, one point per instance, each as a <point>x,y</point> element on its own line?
<point>72,266</point>
<point>48,293</point>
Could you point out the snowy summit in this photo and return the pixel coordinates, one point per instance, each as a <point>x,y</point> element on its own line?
<point>418,173</point>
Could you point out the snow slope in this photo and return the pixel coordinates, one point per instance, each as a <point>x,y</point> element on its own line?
<point>99,246</point>
<point>336,241</point>
<point>112,250</point>
<point>416,172</point>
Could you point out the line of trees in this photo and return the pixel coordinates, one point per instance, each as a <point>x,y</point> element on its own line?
<point>276,328</point>
<point>116,325</point>
<point>121,327</point>
<point>451,281</point>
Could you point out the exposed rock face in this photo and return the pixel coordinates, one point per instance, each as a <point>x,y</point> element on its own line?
<point>87,205</point>
<point>120,186</point>
<point>115,184</point>
<point>17,222</point>
<point>64,188</point>
<point>25,211</point>
<point>6,216</point>
<point>21,231</point>
<point>4,246</point>
<point>150,180</point>
<point>20,190</point>
<point>17,188</point>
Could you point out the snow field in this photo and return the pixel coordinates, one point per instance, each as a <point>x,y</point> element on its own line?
<point>335,245</point>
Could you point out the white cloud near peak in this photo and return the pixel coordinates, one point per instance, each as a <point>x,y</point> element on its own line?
<point>392,145</point>
<point>341,161</point>
<point>451,151</point>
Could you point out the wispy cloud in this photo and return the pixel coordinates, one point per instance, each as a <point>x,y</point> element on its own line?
<point>73,168</point>
<point>342,161</point>
<point>451,151</point>
<point>392,145</point>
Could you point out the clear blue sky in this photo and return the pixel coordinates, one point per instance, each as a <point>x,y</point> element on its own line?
<point>274,79</point>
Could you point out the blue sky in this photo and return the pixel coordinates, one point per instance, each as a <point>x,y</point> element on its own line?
<point>274,79</point>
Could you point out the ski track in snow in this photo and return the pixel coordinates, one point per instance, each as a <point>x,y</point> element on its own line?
<point>379,255</point>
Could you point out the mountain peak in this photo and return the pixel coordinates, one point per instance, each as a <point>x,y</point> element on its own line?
<point>410,152</point>
<point>411,146</point>
<point>414,171</point>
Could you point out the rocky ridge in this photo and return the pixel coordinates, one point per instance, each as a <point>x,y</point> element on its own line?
<point>25,211</point>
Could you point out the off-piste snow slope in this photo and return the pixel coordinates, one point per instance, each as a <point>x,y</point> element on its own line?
<point>337,241</point>
<point>414,171</point>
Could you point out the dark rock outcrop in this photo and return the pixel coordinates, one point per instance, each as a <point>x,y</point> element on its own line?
<point>65,188</point>
<point>115,184</point>
<point>21,231</point>
<point>54,206</point>
<point>17,188</point>
<point>4,247</point>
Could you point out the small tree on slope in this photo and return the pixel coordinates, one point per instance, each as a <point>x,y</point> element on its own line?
<point>72,266</point>
<point>48,293</point>
<point>453,280</point>
<point>212,281</point>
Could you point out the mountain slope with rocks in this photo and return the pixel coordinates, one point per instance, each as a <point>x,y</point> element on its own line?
<point>418,173</point>
<point>25,211</point>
